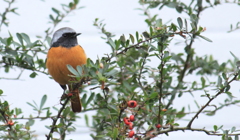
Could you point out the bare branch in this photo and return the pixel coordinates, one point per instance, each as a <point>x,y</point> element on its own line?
<point>211,99</point>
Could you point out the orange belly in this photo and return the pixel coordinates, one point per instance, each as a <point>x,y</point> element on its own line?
<point>59,57</point>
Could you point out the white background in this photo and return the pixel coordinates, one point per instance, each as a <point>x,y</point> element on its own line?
<point>121,18</point>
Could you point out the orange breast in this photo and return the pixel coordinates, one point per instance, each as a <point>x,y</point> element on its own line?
<point>59,57</point>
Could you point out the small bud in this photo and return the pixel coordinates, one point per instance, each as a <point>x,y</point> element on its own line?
<point>101,65</point>
<point>89,82</point>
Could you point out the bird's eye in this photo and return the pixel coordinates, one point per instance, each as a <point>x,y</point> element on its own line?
<point>64,35</point>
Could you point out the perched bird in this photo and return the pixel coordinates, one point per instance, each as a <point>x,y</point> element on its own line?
<point>66,50</point>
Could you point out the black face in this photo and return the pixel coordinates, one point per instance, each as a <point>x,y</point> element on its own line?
<point>67,40</point>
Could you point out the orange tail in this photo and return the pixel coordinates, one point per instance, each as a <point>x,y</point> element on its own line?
<point>76,102</point>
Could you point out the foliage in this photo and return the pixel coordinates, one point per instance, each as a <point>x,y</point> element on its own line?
<point>128,74</point>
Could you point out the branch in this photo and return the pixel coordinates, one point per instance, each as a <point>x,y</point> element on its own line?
<point>211,99</point>
<point>28,118</point>
<point>17,78</point>
<point>9,123</point>
<point>3,15</point>
<point>172,129</point>
<point>6,119</point>
<point>146,40</point>
<point>160,85</point>
<point>67,98</point>
<point>58,116</point>
<point>186,64</point>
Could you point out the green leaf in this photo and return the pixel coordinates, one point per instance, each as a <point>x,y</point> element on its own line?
<point>79,70</point>
<point>90,98</point>
<point>224,76</point>
<point>146,35</point>
<point>197,104</point>
<point>219,83</point>
<point>238,63</point>
<point>215,128</point>
<point>205,38</point>
<point>132,38</point>
<point>114,107</point>
<point>51,17</point>
<point>66,111</point>
<point>137,36</point>
<point>115,133</point>
<point>203,82</point>
<point>56,11</point>
<point>122,38</point>
<point>83,100</point>
<point>76,1</point>
<point>1,92</point>
<point>236,137</point>
<point>26,38</point>
<point>33,75</point>
<point>159,23</point>
<point>43,101</point>
<point>153,95</point>
<point>30,122</point>
<point>110,41</point>
<point>20,38</point>
<point>233,129</point>
<point>34,107</point>
<point>235,57</point>
<point>86,120</point>
<point>9,40</point>
<point>72,70</point>
<point>228,87</point>
<point>180,22</point>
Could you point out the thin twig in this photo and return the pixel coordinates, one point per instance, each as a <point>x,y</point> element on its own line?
<point>172,129</point>
<point>3,15</point>
<point>56,119</point>
<point>210,100</point>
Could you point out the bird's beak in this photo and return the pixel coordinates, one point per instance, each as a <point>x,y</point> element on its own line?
<point>77,34</point>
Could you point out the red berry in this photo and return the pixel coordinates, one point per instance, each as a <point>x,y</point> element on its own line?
<point>131,134</point>
<point>70,94</point>
<point>130,126</point>
<point>132,103</point>
<point>126,120</point>
<point>158,125</point>
<point>131,118</point>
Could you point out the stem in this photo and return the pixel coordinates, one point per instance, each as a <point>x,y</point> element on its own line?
<point>160,85</point>
<point>172,129</point>
<point>5,13</point>
<point>210,100</point>
<point>56,119</point>
<point>186,64</point>
<point>9,126</point>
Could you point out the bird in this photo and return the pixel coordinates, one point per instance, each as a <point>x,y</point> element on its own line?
<point>65,50</point>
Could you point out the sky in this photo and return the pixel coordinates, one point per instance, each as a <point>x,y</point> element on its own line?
<point>121,17</point>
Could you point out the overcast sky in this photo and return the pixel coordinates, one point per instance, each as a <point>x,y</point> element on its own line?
<point>121,18</point>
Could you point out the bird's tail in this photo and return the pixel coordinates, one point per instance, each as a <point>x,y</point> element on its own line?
<point>75,101</point>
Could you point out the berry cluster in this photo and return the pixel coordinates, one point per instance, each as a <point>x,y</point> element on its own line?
<point>129,120</point>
